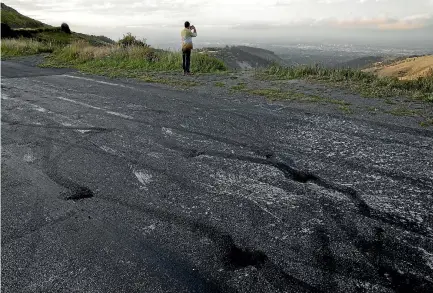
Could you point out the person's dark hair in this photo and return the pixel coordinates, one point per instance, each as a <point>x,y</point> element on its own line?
<point>187,24</point>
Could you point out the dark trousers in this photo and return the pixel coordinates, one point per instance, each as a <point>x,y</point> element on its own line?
<point>186,59</point>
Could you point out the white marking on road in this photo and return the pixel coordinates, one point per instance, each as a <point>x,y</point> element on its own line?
<point>107,149</point>
<point>35,107</point>
<point>95,80</point>
<point>79,103</point>
<point>144,178</point>
<point>120,115</point>
<point>96,108</point>
<point>40,109</point>
<point>56,116</point>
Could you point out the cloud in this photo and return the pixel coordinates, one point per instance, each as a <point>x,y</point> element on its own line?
<point>385,23</point>
<point>240,14</point>
<point>400,25</point>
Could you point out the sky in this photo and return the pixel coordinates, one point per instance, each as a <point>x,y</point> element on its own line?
<point>218,20</point>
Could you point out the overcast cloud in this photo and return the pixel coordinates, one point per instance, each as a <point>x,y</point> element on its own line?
<point>158,17</point>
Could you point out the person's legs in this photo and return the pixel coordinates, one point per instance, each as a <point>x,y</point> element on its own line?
<point>187,60</point>
<point>184,61</point>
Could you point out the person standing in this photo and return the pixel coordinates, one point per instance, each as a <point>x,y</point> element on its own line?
<point>187,34</point>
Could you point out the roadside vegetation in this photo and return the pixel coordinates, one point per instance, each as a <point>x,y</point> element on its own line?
<point>23,47</point>
<point>128,58</point>
<point>365,83</point>
<point>278,94</point>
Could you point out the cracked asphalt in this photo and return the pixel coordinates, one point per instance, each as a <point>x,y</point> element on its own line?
<point>121,186</point>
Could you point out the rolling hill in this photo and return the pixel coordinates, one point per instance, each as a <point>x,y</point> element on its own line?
<point>15,25</point>
<point>406,69</point>
<point>14,19</point>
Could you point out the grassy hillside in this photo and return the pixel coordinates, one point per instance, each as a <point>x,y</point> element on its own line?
<point>26,27</point>
<point>16,20</point>
<point>407,69</point>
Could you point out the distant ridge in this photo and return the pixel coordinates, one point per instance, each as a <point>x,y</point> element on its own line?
<point>244,57</point>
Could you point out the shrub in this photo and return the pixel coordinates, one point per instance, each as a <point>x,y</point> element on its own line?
<point>65,28</point>
<point>130,40</point>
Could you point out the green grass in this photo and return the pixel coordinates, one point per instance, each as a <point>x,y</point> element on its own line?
<point>23,47</point>
<point>131,61</point>
<point>367,84</point>
<point>275,94</point>
<point>270,93</point>
<point>427,122</point>
<point>57,37</point>
<point>345,109</point>
<point>16,20</point>
<point>239,87</point>
<point>389,101</point>
<point>219,84</point>
<point>429,98</point>
<point>402,111</point>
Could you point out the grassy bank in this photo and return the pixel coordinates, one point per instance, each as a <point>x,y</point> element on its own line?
<point>23,47</point>
<point>128,61</point>
<point>365,83</point>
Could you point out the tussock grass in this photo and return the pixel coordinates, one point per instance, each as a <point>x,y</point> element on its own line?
<point>366,83</point>
<point>22,47</point>
<point>128,61</point>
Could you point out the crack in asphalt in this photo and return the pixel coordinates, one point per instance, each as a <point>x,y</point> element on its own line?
<point>300,176</point>
<point>381,253</point>
<point>234,257</point>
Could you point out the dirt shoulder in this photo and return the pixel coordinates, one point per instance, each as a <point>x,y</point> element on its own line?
<point>310,96</point>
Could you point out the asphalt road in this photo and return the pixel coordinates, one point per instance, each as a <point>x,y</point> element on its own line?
<point>120,186</point>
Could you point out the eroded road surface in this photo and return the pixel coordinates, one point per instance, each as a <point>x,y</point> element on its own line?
<point>120,186</point>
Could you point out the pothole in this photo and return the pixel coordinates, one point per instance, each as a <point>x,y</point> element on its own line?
<point>78,193</point>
